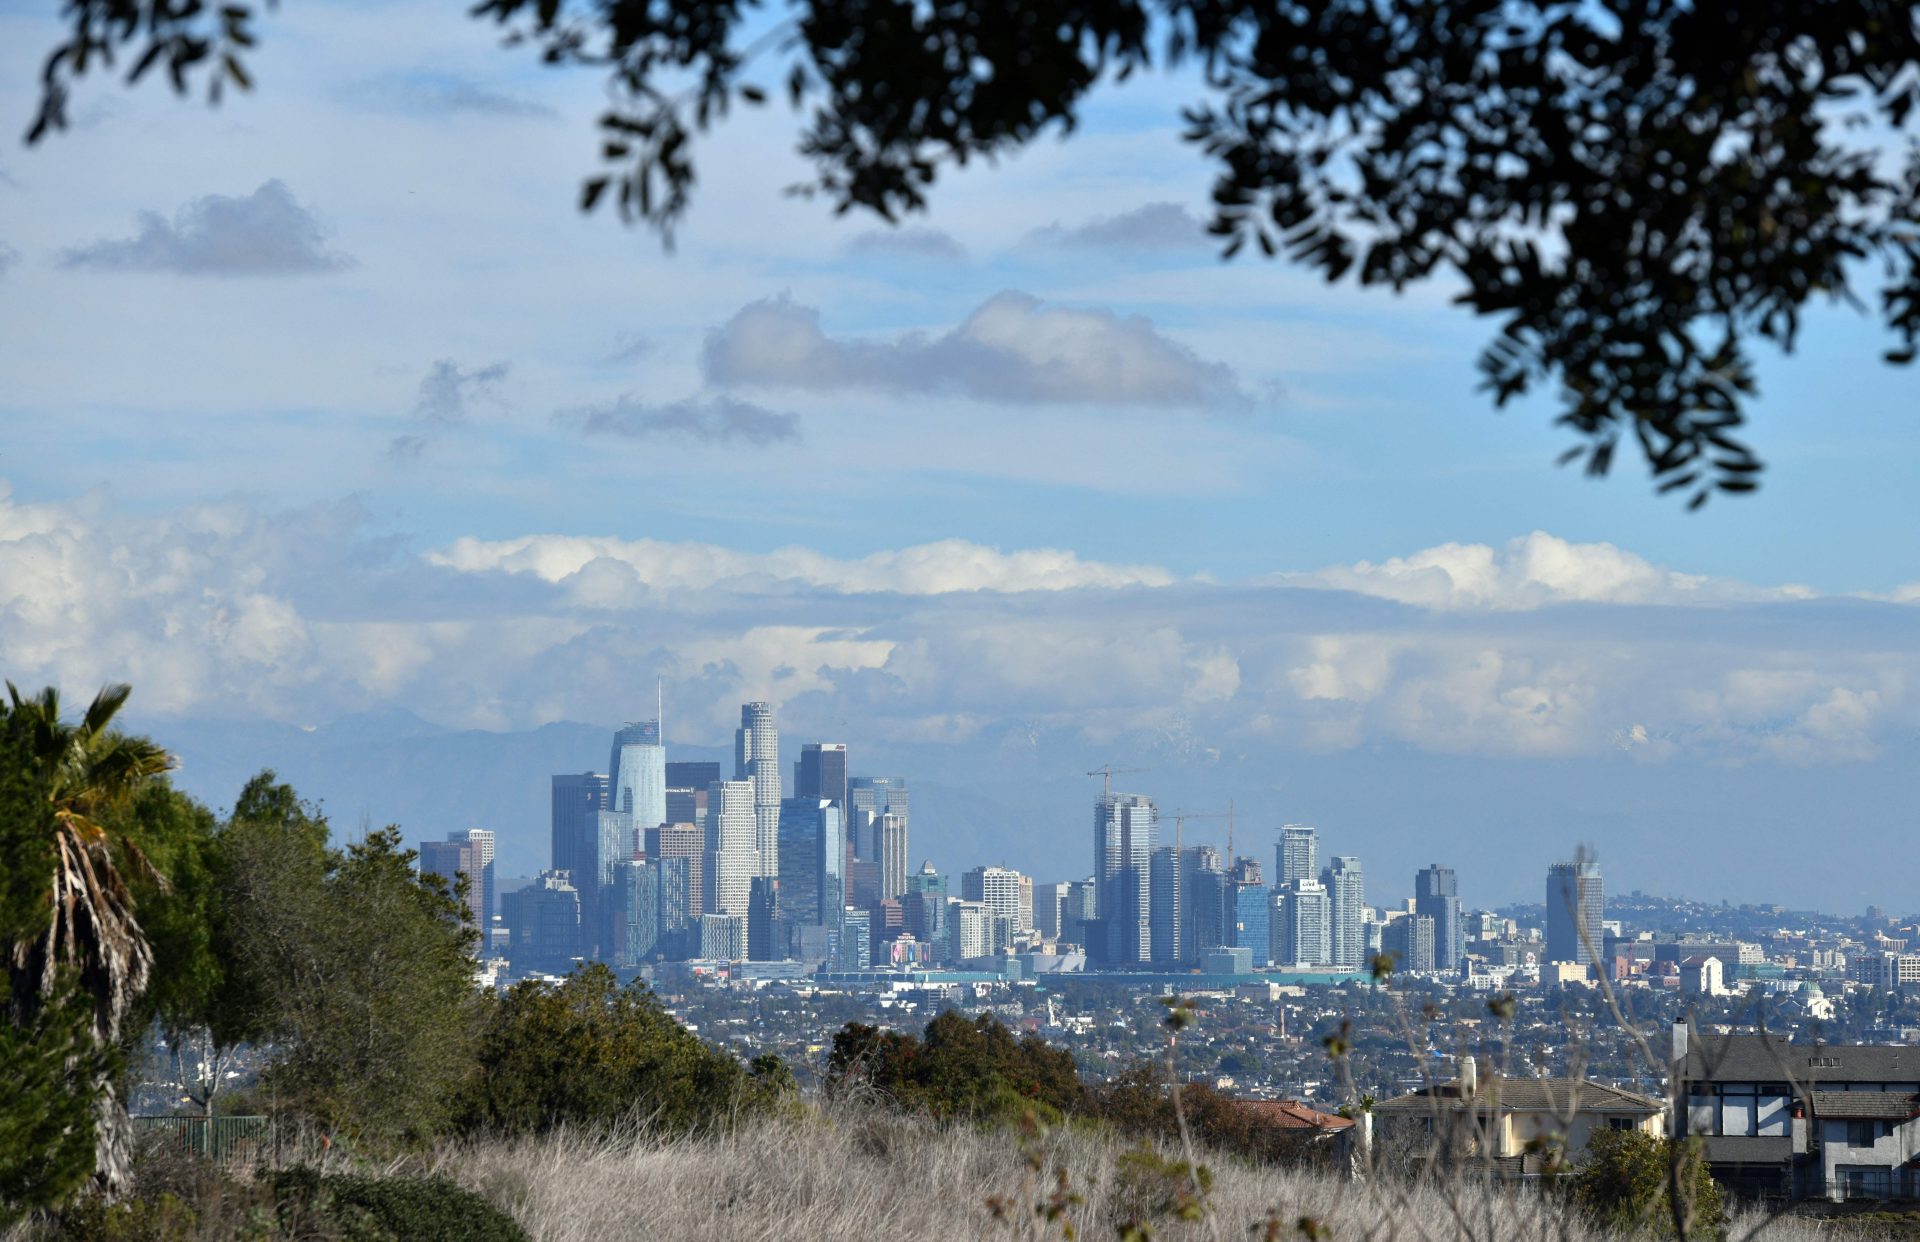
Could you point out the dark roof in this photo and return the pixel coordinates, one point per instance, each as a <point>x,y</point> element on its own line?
<point>1896,1105</point>
<point>1748,1149</point>
<point>1758,1058</point>
<point>1526,1095</point>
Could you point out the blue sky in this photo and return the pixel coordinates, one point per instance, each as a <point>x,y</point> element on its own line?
<point>361,413</point>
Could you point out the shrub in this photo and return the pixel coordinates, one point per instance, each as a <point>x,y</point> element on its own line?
<point>958,1068</point>
<point>1138,1104</point>
<point>587,1052</point>
<point>1624,1184</point>
<point>400,1209</point>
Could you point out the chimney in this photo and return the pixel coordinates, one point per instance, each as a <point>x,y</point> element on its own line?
<point>1679,1040</point>
<point>1469,1077</point>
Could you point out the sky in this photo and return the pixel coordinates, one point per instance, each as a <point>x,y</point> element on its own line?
<point>327,403</point>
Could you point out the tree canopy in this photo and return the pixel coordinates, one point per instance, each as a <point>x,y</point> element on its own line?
<point>1634,191</point>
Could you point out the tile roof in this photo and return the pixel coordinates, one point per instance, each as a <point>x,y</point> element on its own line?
<point>1884,1105</point>
<point>1293,1115</point>
<point>1527,1095</point>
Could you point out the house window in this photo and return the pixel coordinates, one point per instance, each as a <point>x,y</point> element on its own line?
<point>1739,1108</point>
<point>1862,1133</point>
<point>1619,1123</point>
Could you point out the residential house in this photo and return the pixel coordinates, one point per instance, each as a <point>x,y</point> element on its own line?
<point>1800,1121</point>
<point>1514,1122</point>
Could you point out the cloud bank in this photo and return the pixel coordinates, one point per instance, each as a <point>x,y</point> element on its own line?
<point>267,233</point>
<point>228,610</point>
<point>1012,348</point>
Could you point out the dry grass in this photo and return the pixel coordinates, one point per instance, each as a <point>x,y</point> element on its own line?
<point>867,1173</point>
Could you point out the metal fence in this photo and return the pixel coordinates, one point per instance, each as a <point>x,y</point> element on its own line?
<point>216,1137</point>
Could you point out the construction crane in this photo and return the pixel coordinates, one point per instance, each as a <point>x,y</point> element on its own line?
<point>1106,775</point>
<point>1180,819</point>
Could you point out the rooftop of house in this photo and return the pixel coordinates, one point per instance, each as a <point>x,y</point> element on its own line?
<point>1293,1115</point>
<point>1762,1058</point>
<point>1524,1095</point>
<point>1865,1105</point>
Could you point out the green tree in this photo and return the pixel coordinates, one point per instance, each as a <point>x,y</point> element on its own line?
<point>69,853</point>
<point>1633,191</point>
<point>348,966</point>
<point>958,1068</point>
<point>1627,1183</point>
<point>370,1005</point>
<point>587,1052</point>
<point>53,1063</point>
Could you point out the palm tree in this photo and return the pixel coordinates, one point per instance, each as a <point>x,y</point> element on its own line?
<point>92,934</point>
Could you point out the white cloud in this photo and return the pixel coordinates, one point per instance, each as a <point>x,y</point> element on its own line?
<point>228,611</point>
<point>1529,572</point>
<point>929,569</point>
<point>1012,348</point>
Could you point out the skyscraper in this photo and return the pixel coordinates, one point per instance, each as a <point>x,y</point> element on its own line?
<point>543,920</point>
<point>970,930</point>
<point>813,847</point>
<point>453,860</point>
<point>634,733</point>
<point>636,888</point>
<point>1409,940</point>
<point>764,941</point>
<point>1346,895</point>
<point>1302,928</point>
<point>1166,886</point>
<point>893,855</point>
<point>869,798</point>
<point>1081,908</point>
<point>1436,896</point>
<point>687,784</point>
<point>1297,855</point>
<point>1003,891</point>
<point>1049,908</point>
<point>483,903</point>
<point>679,903</point>
<point>1124,826</point>
<point>1576,903</point>
<point>756,758</point>
<point>1252,920</point>
<point>692,773</point>
<point>577,803</point>
<point>640,784</point>
<point>1204,906</point>
<point>688,843</point>
<point>925,905</point>
<point>732,855</point>
<point>821,772</point>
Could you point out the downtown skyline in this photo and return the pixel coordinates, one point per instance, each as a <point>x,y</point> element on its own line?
<point>500,467</point>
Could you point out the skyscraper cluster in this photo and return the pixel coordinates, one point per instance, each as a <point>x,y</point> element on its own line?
<point>667,860</point>
<point>660,860</point>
